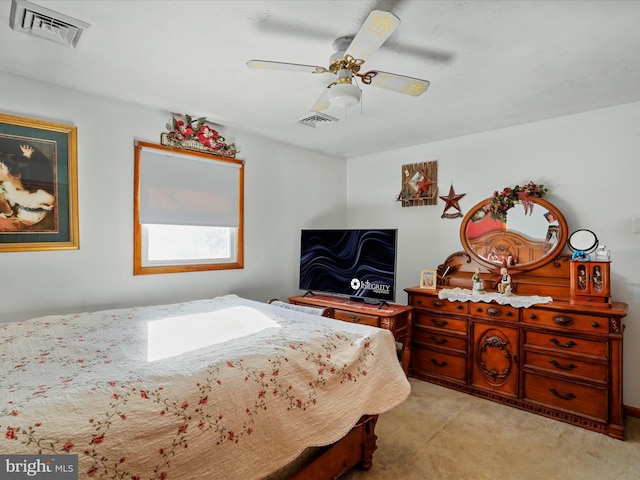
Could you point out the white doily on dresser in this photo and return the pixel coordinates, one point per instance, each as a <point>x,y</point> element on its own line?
<point>466,295</point>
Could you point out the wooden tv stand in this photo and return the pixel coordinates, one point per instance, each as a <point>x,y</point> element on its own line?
<point>393,317</point>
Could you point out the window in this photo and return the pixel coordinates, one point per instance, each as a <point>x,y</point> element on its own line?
<point>188,211</point>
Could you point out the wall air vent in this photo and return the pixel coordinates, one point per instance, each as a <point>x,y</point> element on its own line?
<point>317,119</point>
<point>41,22</point>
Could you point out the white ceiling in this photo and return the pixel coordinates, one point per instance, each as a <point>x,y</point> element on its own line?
<point>491,64</point>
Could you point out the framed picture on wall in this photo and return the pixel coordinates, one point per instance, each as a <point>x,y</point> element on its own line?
<point>428,279</point>
<point>38,185</point>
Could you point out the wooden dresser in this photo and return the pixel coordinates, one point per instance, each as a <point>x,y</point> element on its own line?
<point>560,359</point>
<point>552,345</point>
<point>393,317</point>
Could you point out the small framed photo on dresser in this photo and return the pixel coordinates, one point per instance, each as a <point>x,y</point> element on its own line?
<point>428,279</point>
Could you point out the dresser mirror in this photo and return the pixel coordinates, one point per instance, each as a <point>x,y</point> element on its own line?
<point>532,235</point>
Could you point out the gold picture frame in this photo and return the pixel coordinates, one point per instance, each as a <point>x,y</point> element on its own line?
<point>428,279</point>
<point>38,185</point>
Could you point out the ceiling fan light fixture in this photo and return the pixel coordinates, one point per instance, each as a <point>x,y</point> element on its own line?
<point>344,95</point>
<point>346,62</point>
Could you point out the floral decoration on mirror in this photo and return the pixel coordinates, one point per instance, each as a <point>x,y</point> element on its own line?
<point>503,201</point>
<point>419,184</point>
<point>197,135</point>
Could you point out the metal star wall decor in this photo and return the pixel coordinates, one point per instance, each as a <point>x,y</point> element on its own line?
<point>452,202</point>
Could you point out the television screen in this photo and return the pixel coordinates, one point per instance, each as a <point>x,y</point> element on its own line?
<point>357,263</point>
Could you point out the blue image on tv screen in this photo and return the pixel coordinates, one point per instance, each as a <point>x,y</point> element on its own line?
<point>356,263</point>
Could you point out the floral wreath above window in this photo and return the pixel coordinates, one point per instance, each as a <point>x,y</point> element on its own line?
<point>195,134</point>
<point>503,201</point>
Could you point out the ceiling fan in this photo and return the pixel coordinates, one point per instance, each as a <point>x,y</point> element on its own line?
<point>347,61</point>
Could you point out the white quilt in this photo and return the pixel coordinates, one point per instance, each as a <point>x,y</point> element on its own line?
<point>259,385</point>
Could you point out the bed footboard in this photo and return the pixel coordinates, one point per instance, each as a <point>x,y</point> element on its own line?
<point>353,450</point>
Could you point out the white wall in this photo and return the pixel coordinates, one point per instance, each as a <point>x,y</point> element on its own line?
<point>282,188</point>
<point>590,162</point>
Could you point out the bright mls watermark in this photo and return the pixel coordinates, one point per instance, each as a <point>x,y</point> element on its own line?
<point>39,467</point>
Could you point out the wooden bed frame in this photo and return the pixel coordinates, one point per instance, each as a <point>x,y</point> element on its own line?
<point>353,450</point>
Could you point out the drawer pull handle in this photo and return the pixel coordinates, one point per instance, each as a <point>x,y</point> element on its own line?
<point>569,366</point>
<point>569,344</point>
<point>494,312</point>
<point>568,396</point>
<point>439,364</point>
<point>532,316</point>
<point>438,303</point>
<point>509,313</point>
<point>419,301</point>
<point>478,309</point>
<point>440,341</point>
<point>439,323</point>
<point>562,321</point>
<point>595,325</point>
<point>459,307</point>
<point>354,319</point>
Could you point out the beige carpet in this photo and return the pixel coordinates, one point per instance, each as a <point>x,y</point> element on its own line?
<point>441,434</point>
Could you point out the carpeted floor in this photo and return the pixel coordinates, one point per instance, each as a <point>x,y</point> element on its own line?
<point>441,434</point>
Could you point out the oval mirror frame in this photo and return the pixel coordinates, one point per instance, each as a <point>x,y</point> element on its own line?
<point>521,264</point>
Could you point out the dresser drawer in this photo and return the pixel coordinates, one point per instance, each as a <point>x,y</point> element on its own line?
<point>435,303</point>
<point>567,344</point>
<point>491,310</point>
<point>445,323</point>
<point>437,363</point>
<point>571,367</point>
<point>431,337</point>
<point>572,397</point>
<point>568,321</point>
<point>362,318</point>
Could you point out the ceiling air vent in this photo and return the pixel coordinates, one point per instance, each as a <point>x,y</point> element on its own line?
<point>317,119</point>
<point>35,20</point>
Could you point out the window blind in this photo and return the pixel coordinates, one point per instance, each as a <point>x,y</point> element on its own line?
<point>180,190</point>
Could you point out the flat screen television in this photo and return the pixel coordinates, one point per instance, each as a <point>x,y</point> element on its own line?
<point>360,264</point>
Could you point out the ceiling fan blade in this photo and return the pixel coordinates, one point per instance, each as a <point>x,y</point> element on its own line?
<point>293,67</point>
<point>374,32</point>
<point>314,32</point>
<point>397,83</point>
<point>322,103</point>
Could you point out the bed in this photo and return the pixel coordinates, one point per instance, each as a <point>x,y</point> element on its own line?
<point>222,388</point>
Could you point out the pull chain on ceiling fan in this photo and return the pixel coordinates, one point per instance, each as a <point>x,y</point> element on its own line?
<point>347,61</point>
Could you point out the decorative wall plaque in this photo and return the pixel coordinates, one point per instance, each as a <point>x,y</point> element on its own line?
<point>419,184</point>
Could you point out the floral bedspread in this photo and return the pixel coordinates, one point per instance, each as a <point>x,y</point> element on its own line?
<point>236,407</point>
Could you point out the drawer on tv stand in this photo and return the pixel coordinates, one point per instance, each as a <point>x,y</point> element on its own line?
<point>362,318</point>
